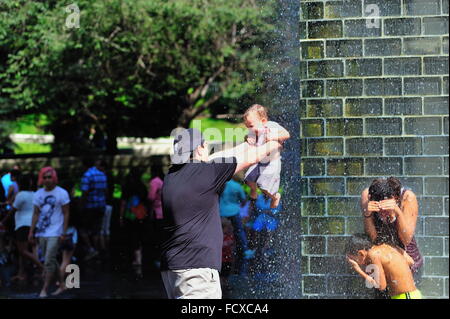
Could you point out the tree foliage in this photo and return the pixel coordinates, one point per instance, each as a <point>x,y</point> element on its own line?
<point>132,68</point>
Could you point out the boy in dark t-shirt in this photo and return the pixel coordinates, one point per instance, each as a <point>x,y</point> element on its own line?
<point>192,234</point>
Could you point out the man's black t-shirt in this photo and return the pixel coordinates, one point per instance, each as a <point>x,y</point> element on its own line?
<point>192,235</point>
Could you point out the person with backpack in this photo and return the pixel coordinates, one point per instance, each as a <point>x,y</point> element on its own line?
<point>134,210</point>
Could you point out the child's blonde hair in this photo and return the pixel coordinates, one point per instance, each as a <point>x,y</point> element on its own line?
<point>260,110</point>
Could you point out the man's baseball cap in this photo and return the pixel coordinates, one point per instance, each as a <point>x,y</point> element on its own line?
<point>185,142</point>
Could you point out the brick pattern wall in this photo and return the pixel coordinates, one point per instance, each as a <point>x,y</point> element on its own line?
<point>374,103</point>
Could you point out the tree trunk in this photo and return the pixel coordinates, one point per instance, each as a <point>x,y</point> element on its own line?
<point>111,141</point>
<point>186,117</point>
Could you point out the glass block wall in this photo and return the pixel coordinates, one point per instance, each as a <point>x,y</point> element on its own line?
<point>374,102</point>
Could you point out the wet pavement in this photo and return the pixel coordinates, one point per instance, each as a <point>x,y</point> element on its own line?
<point>98,280</point>
<point>114,278</point>
<point>104,286</point>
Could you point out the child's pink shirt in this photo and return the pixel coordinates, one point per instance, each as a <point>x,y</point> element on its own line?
<point>154,195</point>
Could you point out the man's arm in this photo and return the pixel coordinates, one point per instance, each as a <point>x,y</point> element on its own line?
<point>253,154</point>
<point>406,215</point>
<point>11,196</point>
<point>66,213</point>
<point>247,155</point>
<point>34,220</point>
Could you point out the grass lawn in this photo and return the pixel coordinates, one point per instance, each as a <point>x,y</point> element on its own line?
<point>30,124</point>
<point>29,148</point>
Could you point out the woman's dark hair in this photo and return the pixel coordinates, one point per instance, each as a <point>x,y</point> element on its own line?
<point>25,182</point>
<point>396,185</point>
<point>380,190</point>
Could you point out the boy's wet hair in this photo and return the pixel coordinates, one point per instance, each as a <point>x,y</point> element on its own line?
<point>382,189</point>
<point>258,109</point>
<point>358,242</point>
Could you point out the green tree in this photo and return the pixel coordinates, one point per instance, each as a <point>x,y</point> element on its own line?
<point>133,67</point>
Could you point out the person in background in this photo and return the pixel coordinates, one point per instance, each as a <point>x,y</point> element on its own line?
<point>22,209</point>
<point>4,277</point>
<point>134,213</point>
<point>106,222</point>
<point>50,222</point>
<point>2,197</point>
<point>6,180</point>
<point>154,197</point>
<point>2,201</point>
<point>93,202</point>
<point>154,191</point>
<point>230,202</point>
<point>10,188</point>
<point>13,187</point>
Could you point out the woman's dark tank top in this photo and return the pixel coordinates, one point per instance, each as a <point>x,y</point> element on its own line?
<point>387,233</point>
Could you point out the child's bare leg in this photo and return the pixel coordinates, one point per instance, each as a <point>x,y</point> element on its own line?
<point>253,189</point>
<point>275,198</point>
<point>275,201</point>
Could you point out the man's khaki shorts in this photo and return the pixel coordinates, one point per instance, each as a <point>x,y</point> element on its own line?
<point>49,247</point>
<point>197,283</point>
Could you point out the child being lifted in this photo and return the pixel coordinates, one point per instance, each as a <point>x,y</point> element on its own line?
<point>266,174</point>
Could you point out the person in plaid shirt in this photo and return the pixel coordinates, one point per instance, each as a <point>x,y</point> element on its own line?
<point>94,187</point>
